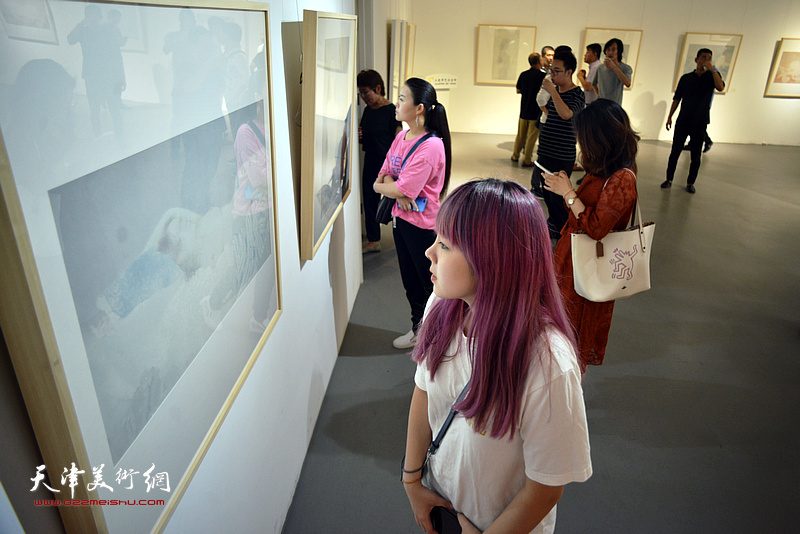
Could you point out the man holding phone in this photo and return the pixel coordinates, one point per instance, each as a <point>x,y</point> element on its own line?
<point>557,136</point>
<point>694,93</point>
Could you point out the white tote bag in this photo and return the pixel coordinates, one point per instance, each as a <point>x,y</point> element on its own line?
<point>615,267</point>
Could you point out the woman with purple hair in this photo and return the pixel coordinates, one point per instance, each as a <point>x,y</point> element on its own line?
<point>495,328</point>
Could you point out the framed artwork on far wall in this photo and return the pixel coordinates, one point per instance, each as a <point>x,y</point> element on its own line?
<point>139,252</point>
<point>28,21</point>
<point>631,42</point>
<point>724,48</point>
<point>784,76</point>
<point>502,53</point>
<point>329,98</point>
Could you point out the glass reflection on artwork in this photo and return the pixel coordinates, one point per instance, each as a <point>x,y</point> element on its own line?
<point>141,135</point>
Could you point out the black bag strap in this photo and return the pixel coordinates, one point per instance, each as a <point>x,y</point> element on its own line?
<point>258,133</point>
<point>453,412</point>
<point>413,148</point>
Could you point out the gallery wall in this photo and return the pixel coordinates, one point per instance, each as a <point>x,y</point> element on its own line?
<point>447,40</point>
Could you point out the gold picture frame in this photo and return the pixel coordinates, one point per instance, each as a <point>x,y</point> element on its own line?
<point>725,50</point>
<point>784,75</point>
<point>105,254</point>
<point>329,100</point>
<point>502,53</point>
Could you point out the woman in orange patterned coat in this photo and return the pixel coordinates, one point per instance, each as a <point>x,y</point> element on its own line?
<point>604,202</point>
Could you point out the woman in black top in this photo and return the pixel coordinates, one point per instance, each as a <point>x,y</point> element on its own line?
<point>376,132</point>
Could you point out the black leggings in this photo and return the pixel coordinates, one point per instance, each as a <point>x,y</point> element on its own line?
<point>411,243</point>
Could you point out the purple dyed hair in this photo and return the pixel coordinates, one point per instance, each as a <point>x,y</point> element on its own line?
<point>502,232</point>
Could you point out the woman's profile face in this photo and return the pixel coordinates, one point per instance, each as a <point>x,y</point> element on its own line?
<point>452,276</point>
<point>406,111</point>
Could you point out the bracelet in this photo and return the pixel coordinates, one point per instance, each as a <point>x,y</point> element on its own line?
<point>413,481</point>
<point>403,467</point>
<point>568,192</point>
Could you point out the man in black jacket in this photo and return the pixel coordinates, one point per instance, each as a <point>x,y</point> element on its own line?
<point>528,85</point>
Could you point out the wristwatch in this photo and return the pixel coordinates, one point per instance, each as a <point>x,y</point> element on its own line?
<point>571,201</point>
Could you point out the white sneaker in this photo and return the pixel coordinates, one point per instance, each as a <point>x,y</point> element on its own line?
<point>406,341</point>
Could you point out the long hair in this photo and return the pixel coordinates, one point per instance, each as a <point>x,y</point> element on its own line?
<point>607,141</point>
<point>501,230</point>
<point>435,120</point>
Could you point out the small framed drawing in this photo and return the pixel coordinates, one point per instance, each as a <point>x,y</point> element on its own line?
<point>329,81</point>
<point>784,76</point>
<point>139,250</point>
<point>503,53</point>
<point>631,42</point>
<point>31,20</point>
<point>724,49</point>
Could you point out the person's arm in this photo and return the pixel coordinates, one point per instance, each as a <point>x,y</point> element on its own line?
<point>719,85</point>
<point>533,502</point>
<point>672,109</point>
<point>614,66</point>
<point>586,84</point>
<point>563,109</point>
<point>417,440</point>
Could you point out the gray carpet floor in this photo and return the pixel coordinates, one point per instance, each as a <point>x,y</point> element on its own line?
<point>694,419</point>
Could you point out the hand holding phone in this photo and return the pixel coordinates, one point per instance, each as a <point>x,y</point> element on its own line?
<point>542,167</point>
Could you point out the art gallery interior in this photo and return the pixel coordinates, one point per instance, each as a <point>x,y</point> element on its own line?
<point>691,419</point>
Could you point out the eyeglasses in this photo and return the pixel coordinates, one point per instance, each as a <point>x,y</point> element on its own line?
<point>364,93</point>
<point>557,71</point>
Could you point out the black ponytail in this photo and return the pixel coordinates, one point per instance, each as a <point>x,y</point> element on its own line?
<point>435,121</point>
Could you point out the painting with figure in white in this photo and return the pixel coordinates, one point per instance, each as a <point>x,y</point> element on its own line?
<point>152,279</point>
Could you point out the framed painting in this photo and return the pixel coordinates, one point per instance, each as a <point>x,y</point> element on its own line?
<point>329,90</point>
<point>31,20</point>
<point>631,43</point>
<point>724,48</point>
<point>140,259</point>
<point>784,76</point>
<point>411,49</point>
<point>503,53</point>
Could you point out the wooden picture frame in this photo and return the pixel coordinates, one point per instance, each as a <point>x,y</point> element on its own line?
<point>631,41</point>
<point>133,309</point>
<point>724,47</point>
<point>329,100</point>
<point>502,53</point>
<point>784,75</point>
<point>28,21</point>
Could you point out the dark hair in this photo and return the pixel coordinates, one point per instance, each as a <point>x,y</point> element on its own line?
<point>596,48</point>
<point>435,120</point>
<point>704,51</point>
<point>620,47</point>
<point>568,59</point>
<point>546,48</point>
<point>562,48</point>
<point>372,79</point>
<point>534,59</point>
<point>502,232</point>
<point>607,141</point>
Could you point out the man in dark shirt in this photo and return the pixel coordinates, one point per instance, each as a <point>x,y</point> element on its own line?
<point>528,85</point>
<point>694,93</point>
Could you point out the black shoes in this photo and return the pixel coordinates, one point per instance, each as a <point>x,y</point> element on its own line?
<point>690,188</point>
<point>666,185</point>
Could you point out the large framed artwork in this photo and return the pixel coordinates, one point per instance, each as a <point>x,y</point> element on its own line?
<point>724,48</point>
<point>631,43</point>
<point>31,20</point>
<point>503,53</point>
<point>140,259</point>
<point>329,91</point>
<point>784,76</point>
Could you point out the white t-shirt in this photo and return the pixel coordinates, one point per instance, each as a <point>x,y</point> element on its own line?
<point>479,474</point>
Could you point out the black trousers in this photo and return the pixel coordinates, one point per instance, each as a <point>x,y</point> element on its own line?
<point>697,135</point>
<point>411,243</point>
<point>556,209</point>
<point>372,166</point>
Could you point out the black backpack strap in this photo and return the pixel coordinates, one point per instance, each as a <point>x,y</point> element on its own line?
<point>413,148</point>
<point>258,133</point>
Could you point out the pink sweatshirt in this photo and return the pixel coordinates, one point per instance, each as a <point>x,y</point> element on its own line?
<point>422,176</point>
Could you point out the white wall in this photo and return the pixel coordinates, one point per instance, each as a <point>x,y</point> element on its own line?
<point>447,40</point>
<point>247,479</point>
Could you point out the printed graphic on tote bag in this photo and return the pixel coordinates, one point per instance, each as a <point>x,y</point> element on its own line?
<point>623,263</point>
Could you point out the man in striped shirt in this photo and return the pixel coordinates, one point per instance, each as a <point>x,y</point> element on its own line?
<point>557,136</point>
